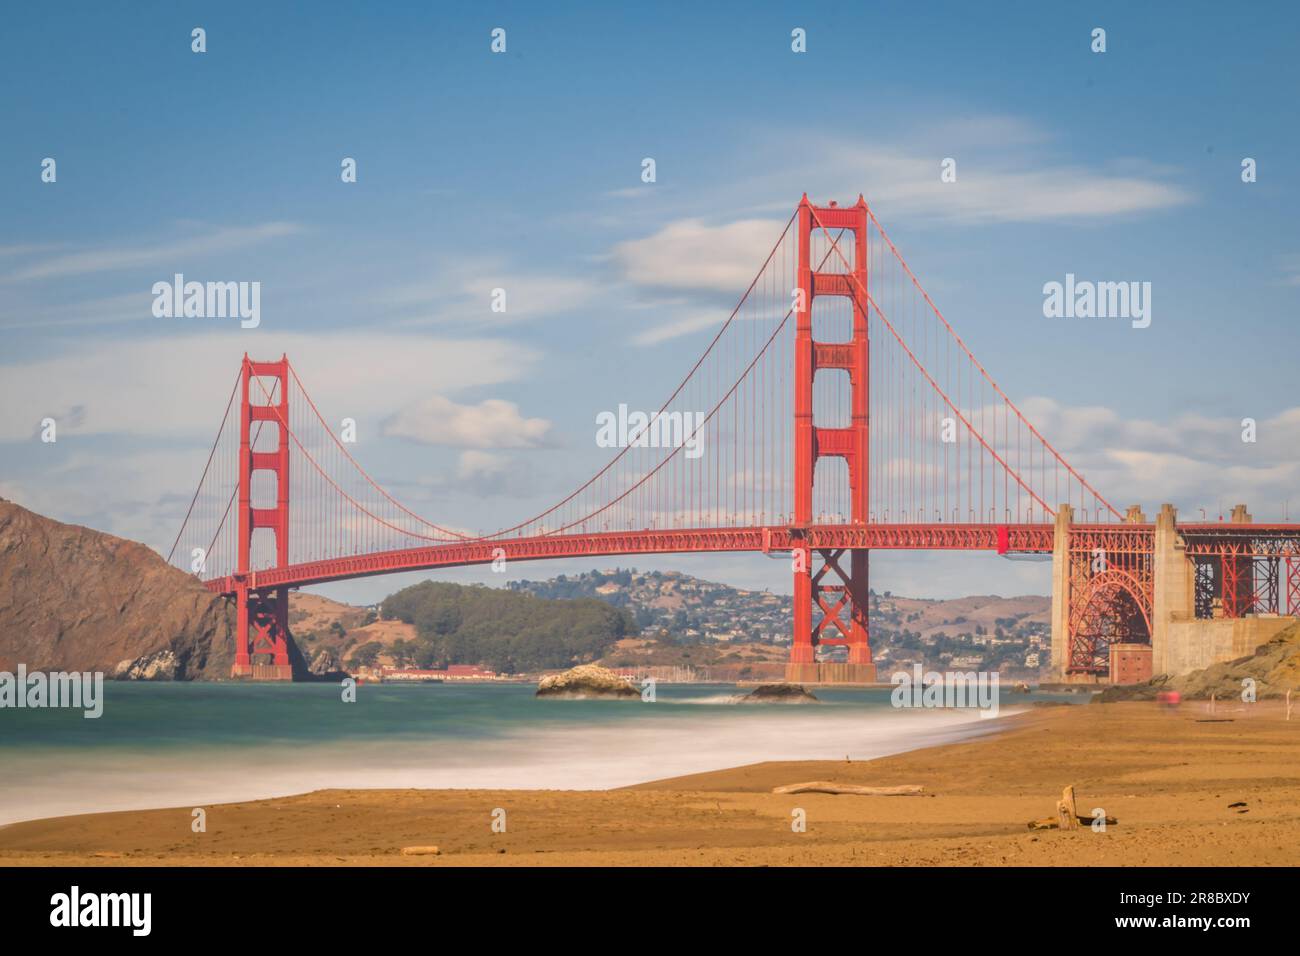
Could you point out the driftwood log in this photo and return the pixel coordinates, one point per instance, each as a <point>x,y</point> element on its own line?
<point>1067,815</point>
<point>1052,823</point>
<point>823,786</point>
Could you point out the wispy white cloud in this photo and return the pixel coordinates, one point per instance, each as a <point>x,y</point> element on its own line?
<point>464,292</point>
<point>493,423</point>
<point>162,254</point>
<point>1194,461</point>
<point>691,254</point>
<point>990,190</point>
<point>130,307</point>
<point>26,248</point>
<point>683,323</point>
<point>477,465</point>
<point>1007,170</point>
<point>488,474</point>
<point>631,192</point>
<point>172,386</point>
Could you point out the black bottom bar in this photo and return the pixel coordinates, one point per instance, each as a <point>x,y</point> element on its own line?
<point>432,904</point>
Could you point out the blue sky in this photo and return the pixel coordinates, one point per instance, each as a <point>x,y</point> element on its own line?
<point>523,169</point>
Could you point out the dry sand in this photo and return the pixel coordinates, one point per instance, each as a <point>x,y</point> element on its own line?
<point>1169,778</point>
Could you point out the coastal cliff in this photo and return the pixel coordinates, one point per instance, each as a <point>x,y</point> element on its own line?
<point>76,599</point>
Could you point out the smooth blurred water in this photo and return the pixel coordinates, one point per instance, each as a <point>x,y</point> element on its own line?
<point>177,744</point>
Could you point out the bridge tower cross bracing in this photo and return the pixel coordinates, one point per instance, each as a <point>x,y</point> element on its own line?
<point>839,594</point>
<point>262,614</point>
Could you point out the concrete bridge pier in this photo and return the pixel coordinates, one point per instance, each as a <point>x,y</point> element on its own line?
<point>1179,641</point>
<point>1061,591</point>
<point>1173,587</point>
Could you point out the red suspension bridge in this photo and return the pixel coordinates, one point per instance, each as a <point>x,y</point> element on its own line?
<point>837,412</point>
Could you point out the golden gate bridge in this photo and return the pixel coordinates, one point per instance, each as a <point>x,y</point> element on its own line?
<point>841,413</point>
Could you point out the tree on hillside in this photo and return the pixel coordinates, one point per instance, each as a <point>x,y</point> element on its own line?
<point>428,656</point>
<point>366,654</point>
<point>403,652</point>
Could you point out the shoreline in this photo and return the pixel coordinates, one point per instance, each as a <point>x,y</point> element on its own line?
<point>1186,787</point>
<point>518,744</point>
<point>966,730</point>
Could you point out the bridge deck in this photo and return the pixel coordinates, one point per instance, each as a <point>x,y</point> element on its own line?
<point>952,537</point>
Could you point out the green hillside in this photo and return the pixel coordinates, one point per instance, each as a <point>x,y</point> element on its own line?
<point>505,630</point>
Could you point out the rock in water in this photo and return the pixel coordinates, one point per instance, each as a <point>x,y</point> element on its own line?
<point>779,694</point>
<point>586,682</point>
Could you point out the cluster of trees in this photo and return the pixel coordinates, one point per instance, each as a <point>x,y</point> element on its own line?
<point>504,630</point>
<point>366,655</point>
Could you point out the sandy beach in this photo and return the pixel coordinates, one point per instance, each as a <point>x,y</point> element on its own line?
<point>1169,778</point>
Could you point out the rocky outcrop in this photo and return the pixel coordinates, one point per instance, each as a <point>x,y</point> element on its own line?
<point>325,666</point>
<point>586,682</point>
<point>76,599</point>
<point>1274,667</point>
<point>325,663</point>
<point>779,694</point>
<point>159,666</point>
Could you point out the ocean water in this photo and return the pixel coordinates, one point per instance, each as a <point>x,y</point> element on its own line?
<point>193,744</point>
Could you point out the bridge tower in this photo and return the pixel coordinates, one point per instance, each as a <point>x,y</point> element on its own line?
<point>839,593</point>
<point>262,615</point>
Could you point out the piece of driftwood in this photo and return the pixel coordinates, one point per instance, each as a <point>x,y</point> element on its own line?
<point>1052,823</point>
<point>1067,814</point>
<point>823,786</point>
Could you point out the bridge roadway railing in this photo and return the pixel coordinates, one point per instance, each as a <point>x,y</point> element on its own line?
<point>950,537</point>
